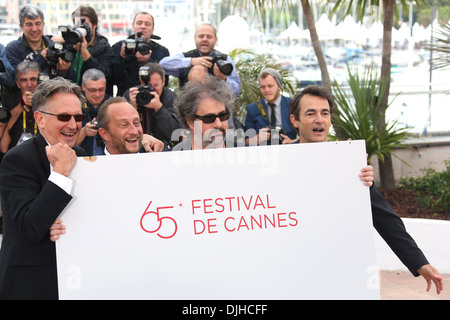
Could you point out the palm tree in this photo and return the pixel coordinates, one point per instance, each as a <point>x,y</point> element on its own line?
<point>360,7</point>
<point>440,45</point>
<point>389,7</point>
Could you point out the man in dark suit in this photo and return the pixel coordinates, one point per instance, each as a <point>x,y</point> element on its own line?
<point>310,113</point>
<point>271,113</point>
<point>35,189</point>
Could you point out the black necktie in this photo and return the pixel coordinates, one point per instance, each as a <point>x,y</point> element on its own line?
<point>273,118</point>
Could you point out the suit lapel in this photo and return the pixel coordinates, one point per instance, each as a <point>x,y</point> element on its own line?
<point>40,145</point>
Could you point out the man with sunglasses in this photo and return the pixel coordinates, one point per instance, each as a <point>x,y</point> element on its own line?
<point>35,189</point>
<point>204,109</point>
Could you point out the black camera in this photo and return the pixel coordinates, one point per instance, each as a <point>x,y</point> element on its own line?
<point>5,115</point>
<point>136,45</point>
<point>56,51</point>
<point>221,60</point>
<point>275,132</point>
<point>144,95</point>
<point>75,35</point>
<point>95,123</point>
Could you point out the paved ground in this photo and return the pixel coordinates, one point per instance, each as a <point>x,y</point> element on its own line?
<point>400,285</point>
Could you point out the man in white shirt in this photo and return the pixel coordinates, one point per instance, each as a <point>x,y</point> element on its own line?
<point>204,55</point>
<point>35,189</point>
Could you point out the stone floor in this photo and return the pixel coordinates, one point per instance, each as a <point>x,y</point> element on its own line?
<point>401,285</point>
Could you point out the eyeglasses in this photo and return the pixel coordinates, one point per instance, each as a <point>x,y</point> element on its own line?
<point>66,117</point>
<point>210,118</point>
<point>94,90</point>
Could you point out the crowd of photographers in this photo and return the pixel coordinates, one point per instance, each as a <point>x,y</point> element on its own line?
<point>137,68</point>
<point>85,69</point>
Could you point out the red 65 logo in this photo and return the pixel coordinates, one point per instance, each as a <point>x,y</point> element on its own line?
<point>151,222</point>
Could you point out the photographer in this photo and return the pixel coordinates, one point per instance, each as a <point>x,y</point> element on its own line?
<point>205,55</point>
<point>94,88</point>
<point>134,52</point>
<point>33,45</point>
<point>271,113</point>
<point>6,70</point>
<point>21,124</point>
<point>92,49</point>
<point>154,102</point>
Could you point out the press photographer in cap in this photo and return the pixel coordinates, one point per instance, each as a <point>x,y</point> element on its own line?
<point>270,115</point>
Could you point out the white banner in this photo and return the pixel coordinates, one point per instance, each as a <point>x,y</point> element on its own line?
<point>267,222</point>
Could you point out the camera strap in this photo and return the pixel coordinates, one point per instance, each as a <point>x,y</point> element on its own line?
<point>263,111</point>
<point>24,115</point>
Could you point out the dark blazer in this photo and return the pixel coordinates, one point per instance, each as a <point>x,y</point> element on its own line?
<point>30,205</point>
<point>254,119</point>
<point>393,231</point>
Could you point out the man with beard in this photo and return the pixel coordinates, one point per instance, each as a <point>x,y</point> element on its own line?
<point>310,112</point>
<point>203,109</point>
<point>120,128</point>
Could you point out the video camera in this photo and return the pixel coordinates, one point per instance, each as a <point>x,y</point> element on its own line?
<point>56,51</point>
<point>75,35</point>
<point>144,96</point>
<point>138,44</point>
<point>221,60</point>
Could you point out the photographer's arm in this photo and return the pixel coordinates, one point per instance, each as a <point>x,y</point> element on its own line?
<point>172,65</point>
<point>4,131</point>
<point>89,130</point>
<point>233,80</point>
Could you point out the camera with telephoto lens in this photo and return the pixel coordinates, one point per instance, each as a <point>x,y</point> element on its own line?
<point>75,35</point>
<point>138,44</point>
<point>144,95</point>
<point>221,60</point>
<point>56,51</point>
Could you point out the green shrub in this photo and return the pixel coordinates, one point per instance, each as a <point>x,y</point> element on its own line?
<point>432,189</point>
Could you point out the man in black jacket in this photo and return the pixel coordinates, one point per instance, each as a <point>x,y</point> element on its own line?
<point>33,44</point>
<point>94,51</point>
<point>35,189</point>
<point>310,112</point>
<point>127,60</point>
<point>158,114</point>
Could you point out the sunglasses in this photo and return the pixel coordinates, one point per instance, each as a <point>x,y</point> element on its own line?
<point>66,117</point>
<point>210,118</point>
